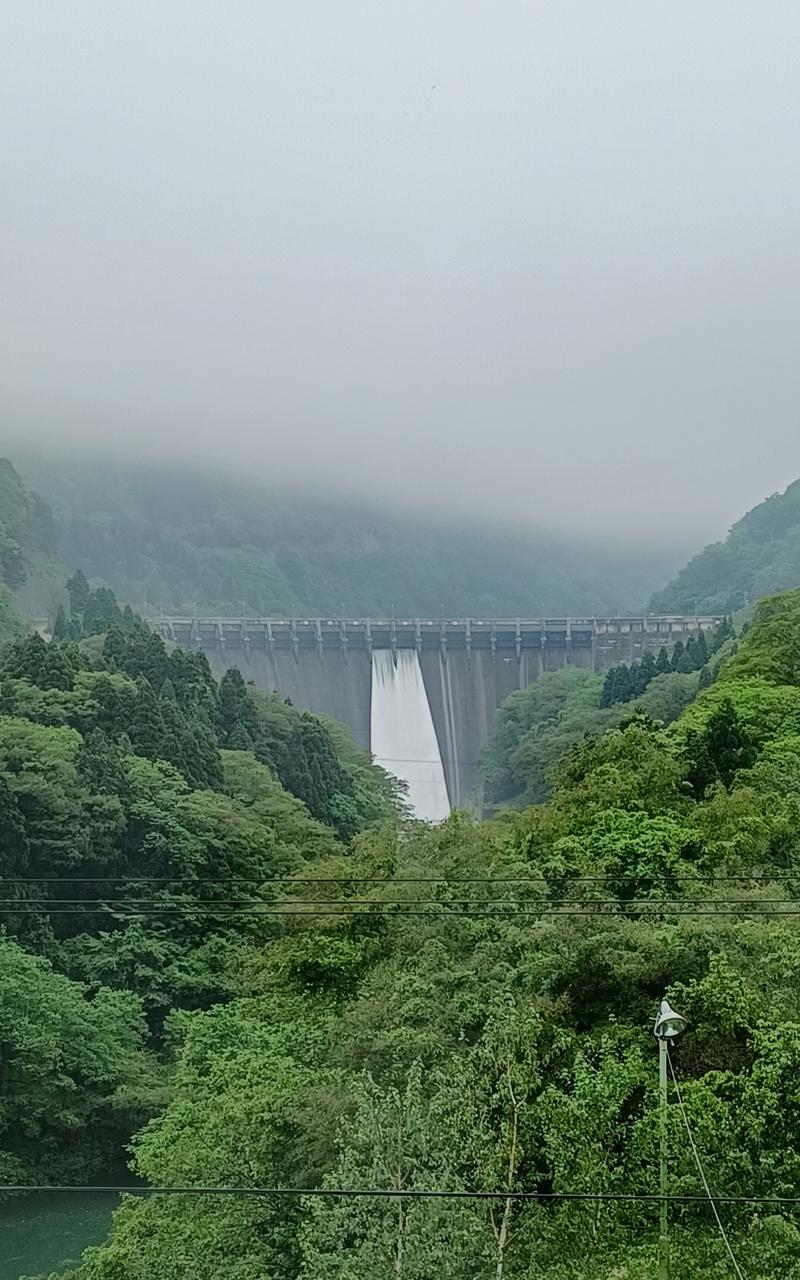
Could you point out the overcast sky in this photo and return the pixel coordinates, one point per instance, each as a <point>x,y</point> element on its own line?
<point>512,256</point>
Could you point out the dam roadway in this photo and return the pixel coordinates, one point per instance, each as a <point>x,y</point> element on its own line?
<point>468,666</point>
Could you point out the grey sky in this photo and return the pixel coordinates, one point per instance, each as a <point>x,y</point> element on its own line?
<point>537,257</point>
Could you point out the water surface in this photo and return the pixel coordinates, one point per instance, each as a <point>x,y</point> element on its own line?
<point>48,1231</point>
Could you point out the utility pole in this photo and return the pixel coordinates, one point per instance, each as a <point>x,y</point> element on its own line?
<point>663,1226</point>
<point>669,1024</point>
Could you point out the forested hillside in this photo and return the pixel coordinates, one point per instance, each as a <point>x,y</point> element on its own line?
<point>27,545</point>
<point>535,727</point>
<point>465,1007</point>
<point>144,814</point>
<point>179,539</point>
<point>761,555</point>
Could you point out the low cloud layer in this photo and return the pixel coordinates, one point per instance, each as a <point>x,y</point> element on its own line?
<point>532,261</point>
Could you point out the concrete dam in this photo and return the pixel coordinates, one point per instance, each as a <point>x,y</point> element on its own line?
<point>421,695</point>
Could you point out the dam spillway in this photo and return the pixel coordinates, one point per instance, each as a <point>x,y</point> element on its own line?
<point>402,733</point>
<point>468,667</point>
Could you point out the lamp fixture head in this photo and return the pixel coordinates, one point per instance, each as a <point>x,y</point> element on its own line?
<point>669,1024</point>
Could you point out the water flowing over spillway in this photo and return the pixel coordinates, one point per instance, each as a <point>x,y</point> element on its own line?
<point>402,735</point>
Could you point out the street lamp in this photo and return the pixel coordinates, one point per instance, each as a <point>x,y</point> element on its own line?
<point>669,1024</point>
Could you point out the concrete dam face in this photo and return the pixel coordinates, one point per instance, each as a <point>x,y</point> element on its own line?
<point>422,696</point>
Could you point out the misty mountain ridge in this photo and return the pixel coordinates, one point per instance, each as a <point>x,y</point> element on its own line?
<point>179,540</point>
<point>760,556</point>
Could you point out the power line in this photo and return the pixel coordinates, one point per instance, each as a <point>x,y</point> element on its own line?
<point>521,905</point>
<point>701,1170</point>
<point>547,912</point>
<point>443,880</point>
<point>405,1193</point>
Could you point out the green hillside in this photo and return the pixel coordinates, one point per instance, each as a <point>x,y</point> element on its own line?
<point>29,571</point>
<point>537,726</point>
<point>761,555</point>
<point>465,1007</point>
<point>139,803</point>
<point>182,539</point>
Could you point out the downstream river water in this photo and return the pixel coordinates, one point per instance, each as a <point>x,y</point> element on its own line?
<point>47,1232</point>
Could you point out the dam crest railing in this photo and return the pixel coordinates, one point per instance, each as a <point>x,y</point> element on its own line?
<point>505,636</point>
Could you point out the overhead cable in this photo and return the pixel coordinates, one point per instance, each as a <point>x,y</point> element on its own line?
<point>404,1193</point>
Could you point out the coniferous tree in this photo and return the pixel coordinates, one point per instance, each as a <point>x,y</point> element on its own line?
<point>609,694</point>
<point>687,662</point>
<point>624,688</point>
<point>701,771</point>
<point>677,654</point>
<point>635,677</point>
<point>79,593</point>
<point>174,745</point>
<point>201,748</point>
<point>718,751</point>
<point>235,709</point>
<point>56,670</point>
<point>701,650</point>
<point>101,612</point>
<point>729,744</point>
<point>725,631</point>
<point>13,839</point>
<point>100,762</point>
<point>61,625</point>
<point>647,672</point>
<point>663,664</point>
<point>147,729</point>
<point>114,648</point>
<point>706,678</point>
<point>14,859</point>
<point>25,658</point>
<point>239,739</point>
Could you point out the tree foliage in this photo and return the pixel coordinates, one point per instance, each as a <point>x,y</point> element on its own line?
<point>446,1049</point>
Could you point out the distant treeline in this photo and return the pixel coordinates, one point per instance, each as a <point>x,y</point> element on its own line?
<point>625,683</point>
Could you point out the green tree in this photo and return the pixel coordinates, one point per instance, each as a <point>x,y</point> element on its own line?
<point>79,592</point>
<point>609,694</point>
<point>391,1142</point>
<point>663,664</point>
<point>647,672</point>
<point>75,1076</point>
<point>265,1058</point>
<point>60,626</point>
<point>720,750</point>
<point>147,729</point>
<point>236,712</point>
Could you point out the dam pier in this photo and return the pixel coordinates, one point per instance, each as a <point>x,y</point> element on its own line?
<point>462,669</point>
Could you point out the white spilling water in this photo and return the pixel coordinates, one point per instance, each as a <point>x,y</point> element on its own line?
<point>402,736</point>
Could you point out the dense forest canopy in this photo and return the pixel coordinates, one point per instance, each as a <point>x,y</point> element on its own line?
<point>465,1006</point>
<point>140,803</point>
<point>179,540</point>
<point>225,947</point>
<point>761,555</point>
<point>535,727</point>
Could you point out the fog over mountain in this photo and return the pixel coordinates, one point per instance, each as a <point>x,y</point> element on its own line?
<point>536,262</point>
